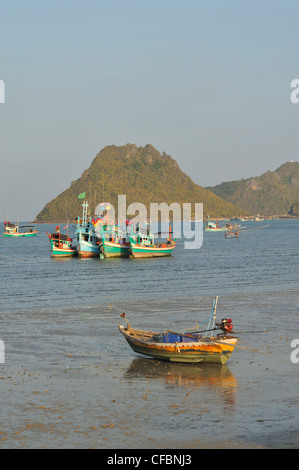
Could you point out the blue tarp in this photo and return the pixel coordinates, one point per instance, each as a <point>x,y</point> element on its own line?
<point>176,338</point>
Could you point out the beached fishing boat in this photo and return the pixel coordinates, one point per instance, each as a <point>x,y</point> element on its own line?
<point>61,244</point>
<point>87,241</point>
<point>143,245</point>
<point>16,231</point>
<point>186,347</point>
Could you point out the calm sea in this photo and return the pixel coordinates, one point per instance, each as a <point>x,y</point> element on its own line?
<point>70,381</point>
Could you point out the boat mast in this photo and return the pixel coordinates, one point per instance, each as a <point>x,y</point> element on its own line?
<point>212,319</point>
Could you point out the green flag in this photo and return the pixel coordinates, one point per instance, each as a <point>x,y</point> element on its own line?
<point>81,196</point>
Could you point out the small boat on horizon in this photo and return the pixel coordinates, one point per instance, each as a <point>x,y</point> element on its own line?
<point>230,233</point>
<point>214,227</point>
<point>16,230</point>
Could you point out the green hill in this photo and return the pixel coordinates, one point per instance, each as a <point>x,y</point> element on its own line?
<point>141,173</point>
<point>273,193</point>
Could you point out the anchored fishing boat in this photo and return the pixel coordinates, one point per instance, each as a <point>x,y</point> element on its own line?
<point>61,244</point>
<point>15,230</point>
<point>142,245</point>
<point>214,227</point>
<point>185,347</point>
<point>87,240</point>
<point>114,243</point>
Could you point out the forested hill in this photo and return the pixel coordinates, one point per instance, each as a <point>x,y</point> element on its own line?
<point>273,193</point>
<point>141,173</point>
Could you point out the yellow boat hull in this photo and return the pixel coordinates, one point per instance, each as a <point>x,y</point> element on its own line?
<point>206,350</point>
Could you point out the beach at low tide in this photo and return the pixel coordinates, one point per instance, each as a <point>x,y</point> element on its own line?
<point>69,379</point>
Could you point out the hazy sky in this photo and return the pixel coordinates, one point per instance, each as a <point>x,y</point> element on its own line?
<point>207,82</point>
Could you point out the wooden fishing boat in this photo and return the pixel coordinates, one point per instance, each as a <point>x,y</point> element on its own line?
<point>231,233</point>
<point>61,245</point>
<point>214,227</point>
<point>87,242</point>
<point>114,243</point>
<point>16,231</point>
<point>142,245</point>
<point>182,347</point>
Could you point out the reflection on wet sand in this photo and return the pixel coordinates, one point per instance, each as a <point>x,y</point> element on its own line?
<point>207,377</point>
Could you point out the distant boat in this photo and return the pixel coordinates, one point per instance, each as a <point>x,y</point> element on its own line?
<point>231,233</point>
<point>214,227</point>
<point>87,240</point>
<point>182,347</point>
<point>15,230</point>
<point>258,219</point>
<point>143,245</point>
<point>61,244</point>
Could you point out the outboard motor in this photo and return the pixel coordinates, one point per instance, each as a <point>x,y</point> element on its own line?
<point>226,325</point>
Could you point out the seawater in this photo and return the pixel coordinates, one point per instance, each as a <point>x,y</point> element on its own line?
<point>69,380</point>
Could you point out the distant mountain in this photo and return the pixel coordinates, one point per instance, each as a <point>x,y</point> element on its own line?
<point>273,193</point>
<point>141,173</point>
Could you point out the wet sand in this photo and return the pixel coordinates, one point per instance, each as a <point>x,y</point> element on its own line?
<point>71,381</point>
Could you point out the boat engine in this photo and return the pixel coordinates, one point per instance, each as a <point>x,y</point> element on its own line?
<point>226,325</point>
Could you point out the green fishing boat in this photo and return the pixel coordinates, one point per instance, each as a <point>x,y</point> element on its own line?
<point>114,243</point>
<point>16,231</point>
<point>143,245</point>
<point>61,245</point>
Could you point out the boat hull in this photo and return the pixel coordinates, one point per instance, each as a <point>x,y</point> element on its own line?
<point>139,251</point>
<point>206,351</point>
<point>87,254</point>
<point>87,249</point>
<point>114,250</point>
<point>63,252</point>
<point>20,234</point>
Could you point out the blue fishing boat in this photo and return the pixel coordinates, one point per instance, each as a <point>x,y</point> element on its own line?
<point>88,243</point>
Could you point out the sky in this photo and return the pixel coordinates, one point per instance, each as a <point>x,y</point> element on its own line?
<point>206,82</point>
